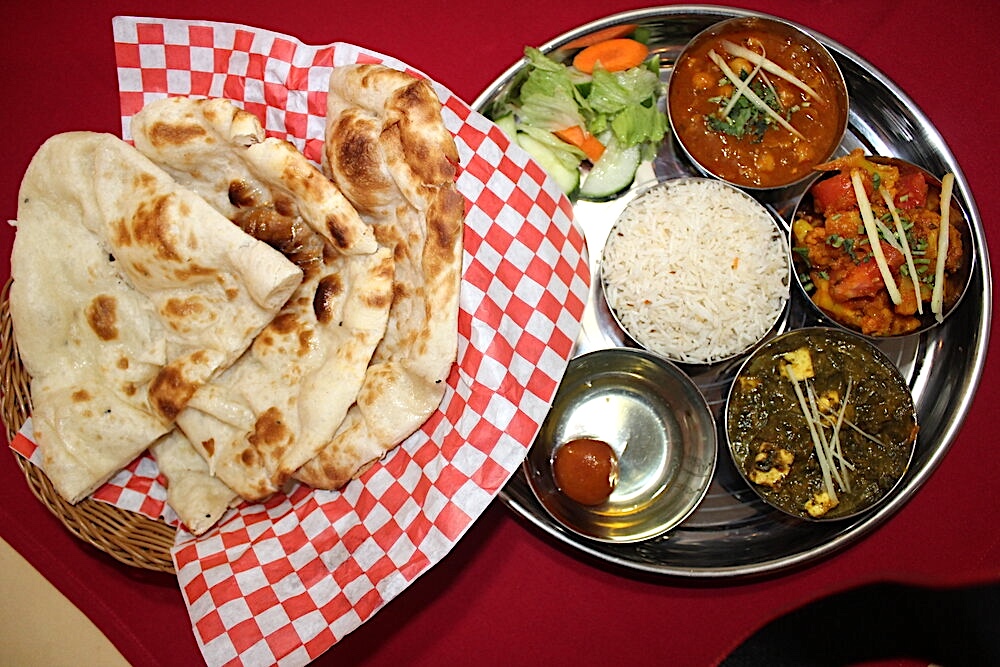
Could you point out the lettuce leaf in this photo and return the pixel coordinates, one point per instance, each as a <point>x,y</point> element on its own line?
<point>549,99</point>
<point>626,102</point>
<point>638,124</point>
<point>611,92</point>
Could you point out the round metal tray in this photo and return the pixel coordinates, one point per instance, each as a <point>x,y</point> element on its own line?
<point>732,533</point>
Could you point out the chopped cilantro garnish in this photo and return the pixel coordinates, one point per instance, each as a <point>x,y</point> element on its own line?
<point>838,241</point>
<point>745,119</point>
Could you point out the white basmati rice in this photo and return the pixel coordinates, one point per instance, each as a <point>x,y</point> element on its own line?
<point>696,270</point>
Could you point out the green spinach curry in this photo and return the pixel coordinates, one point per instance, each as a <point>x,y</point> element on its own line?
<point>820,423</point>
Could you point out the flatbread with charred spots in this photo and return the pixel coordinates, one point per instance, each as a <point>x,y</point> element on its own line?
<point>388,150</point>
<point>129,292</point>
<point>277,406</point>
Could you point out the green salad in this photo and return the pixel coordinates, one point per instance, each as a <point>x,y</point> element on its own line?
<point>588,129</point>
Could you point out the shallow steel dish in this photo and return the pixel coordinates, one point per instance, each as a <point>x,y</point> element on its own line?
<point>660,427</point>
<point>733,533</point>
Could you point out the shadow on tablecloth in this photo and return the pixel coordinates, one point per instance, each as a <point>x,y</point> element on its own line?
<point>952,627</point>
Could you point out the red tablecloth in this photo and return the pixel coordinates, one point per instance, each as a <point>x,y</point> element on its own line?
<point>507,594</point>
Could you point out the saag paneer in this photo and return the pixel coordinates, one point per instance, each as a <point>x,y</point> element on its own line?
<point>820,423</point>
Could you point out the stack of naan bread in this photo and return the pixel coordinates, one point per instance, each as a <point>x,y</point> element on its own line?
<point>213,296</point>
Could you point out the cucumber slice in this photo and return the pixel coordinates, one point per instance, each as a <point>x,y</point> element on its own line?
<point>612,173</point>
<point>508,125</point>
<point>568,179</point>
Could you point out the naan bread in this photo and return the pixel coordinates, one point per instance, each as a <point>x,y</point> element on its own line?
<point>220,151</point>
<point>129,292</point>
<point>199,498</point>
<point>388,150</point>
<point>277,406</point>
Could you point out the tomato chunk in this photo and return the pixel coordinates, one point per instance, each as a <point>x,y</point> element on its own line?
<point>834,194</point>
<point>865,279</point>
<point>911,190</point>
<point>862,280</point>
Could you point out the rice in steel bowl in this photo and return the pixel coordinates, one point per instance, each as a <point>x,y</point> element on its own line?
<point>696,270</point>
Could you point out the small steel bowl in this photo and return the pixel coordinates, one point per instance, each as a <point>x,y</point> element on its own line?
<point>957,282</point>
<point>660,427</point>
<point>687,331</point>
<point>764,422</point>
<point>781,160</point>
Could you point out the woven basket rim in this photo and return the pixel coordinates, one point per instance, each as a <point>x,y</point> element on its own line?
<point>128,537</point>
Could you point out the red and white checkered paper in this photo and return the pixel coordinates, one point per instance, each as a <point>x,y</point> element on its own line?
<point>282,582</point>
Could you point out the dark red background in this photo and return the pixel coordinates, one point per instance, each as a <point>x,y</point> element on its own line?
<point>506,594</point>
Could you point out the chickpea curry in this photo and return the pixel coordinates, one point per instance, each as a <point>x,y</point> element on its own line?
<point>868,254</point>
<point>757,104</point>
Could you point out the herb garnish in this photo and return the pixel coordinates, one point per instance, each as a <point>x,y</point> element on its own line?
<point>746,118</point>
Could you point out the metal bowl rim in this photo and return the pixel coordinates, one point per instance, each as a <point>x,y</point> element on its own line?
<point>693,396</point>
<point>839,82</point>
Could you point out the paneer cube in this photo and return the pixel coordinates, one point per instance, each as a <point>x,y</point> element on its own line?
<point>771,464</point>
<point>799,363</point>
<point>829,401</point>
<point>820,504</point>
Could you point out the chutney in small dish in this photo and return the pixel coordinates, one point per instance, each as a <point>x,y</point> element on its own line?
<point>627,451</point>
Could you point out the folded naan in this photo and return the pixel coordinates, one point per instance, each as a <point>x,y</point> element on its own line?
<point>129,292</point>
<point>388,150</point>
<point>220,151</point>
<point>199,498</point>
<point>279,404</point>
<point>276,407</point>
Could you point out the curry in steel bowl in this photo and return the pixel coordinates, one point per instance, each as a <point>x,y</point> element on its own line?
<point>757,102</point>
<point>820,423</point>
<point>868,248</point>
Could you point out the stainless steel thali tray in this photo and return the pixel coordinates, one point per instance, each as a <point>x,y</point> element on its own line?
<point>732,533</point>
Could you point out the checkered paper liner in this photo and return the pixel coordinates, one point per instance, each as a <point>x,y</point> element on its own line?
<point>281,582</point>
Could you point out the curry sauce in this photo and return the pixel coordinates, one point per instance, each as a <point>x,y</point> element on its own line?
<point>858,405</point>
<point>735,138</point>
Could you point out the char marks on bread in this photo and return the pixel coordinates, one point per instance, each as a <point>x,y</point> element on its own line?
<point>129,292</point>
<point>388,150</point>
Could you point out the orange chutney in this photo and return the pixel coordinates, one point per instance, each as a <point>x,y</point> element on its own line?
<point>746,146</point>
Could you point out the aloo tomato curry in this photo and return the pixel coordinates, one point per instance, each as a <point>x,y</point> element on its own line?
<point>872,255</point>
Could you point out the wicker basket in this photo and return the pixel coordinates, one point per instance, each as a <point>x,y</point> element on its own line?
<point>129,537</point>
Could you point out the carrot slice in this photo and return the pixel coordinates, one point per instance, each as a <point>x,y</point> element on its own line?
<point>593,148</point>
<point>615,55</point>
<point>571,135</point>
<point>614,32</point>
<point>585,141</point>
